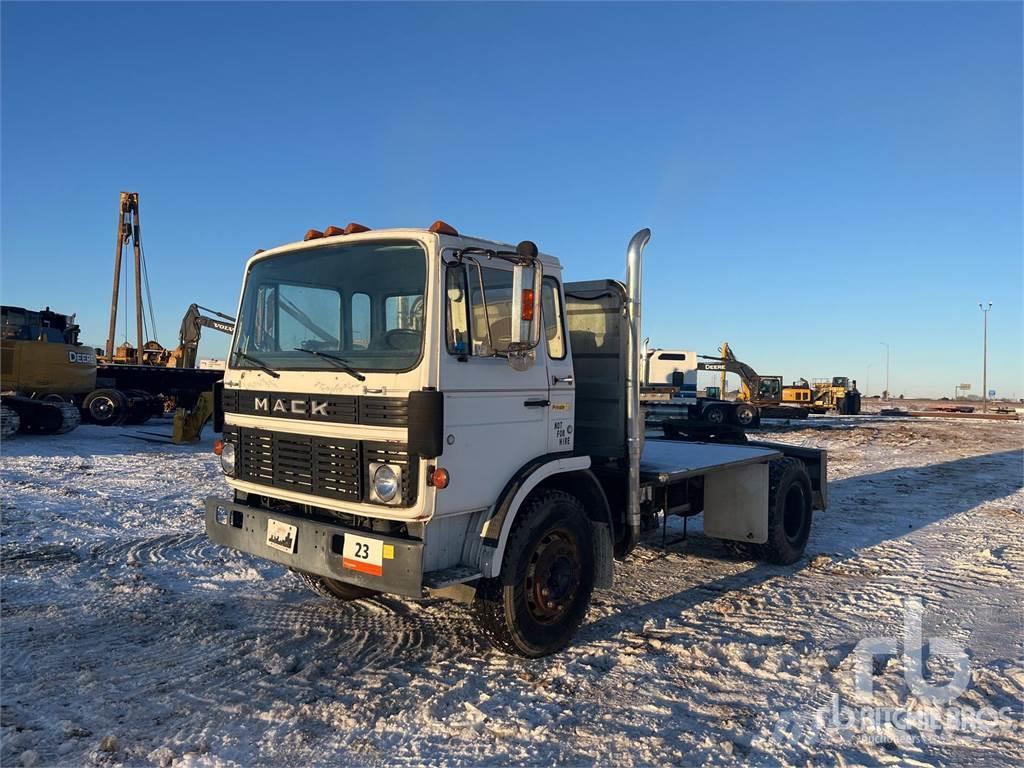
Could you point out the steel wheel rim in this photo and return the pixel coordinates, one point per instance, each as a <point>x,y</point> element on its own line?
<point>552,576</point>
<point>101,407</point>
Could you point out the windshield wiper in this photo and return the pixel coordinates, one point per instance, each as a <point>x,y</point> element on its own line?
<point>341,362</point>
<point>259,363</point>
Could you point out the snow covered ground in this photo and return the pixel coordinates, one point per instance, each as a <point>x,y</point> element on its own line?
<point>127,638</point>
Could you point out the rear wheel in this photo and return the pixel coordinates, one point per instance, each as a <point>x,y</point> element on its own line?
<point>141,406</point>
<point>714,414</point>
<point>745,414</point>
<point>333,589</point>
<point>106,407</point>
<point>789,512</point>
<point>538,601</point>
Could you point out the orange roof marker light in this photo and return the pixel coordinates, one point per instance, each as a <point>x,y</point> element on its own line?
<point>333,231</point>
<point>259,251</point>
<point>443,228</point>
<point>313,234</point>
<point>353,228</point>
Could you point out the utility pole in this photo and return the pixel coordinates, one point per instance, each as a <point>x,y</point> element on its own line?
<point>867,385</point>
<point>888,394</point>
<point>984,359</point>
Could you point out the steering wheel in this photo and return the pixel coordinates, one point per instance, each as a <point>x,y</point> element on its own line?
<point>397,334</point>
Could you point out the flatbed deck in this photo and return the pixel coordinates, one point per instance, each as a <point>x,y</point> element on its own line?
<point>665,462</point>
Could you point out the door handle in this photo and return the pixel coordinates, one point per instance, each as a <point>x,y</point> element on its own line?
<point>566,380</point>
<point>537,403</point>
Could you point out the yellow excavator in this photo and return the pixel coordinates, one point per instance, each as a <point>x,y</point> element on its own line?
<point>774,399</point>
<point>767,394</point>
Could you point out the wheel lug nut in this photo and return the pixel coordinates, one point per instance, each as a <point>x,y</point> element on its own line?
<point>551,605</point>
<point>545,592</point>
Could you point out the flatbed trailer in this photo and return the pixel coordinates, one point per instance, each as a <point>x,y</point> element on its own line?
<point>183,384</point>
<point>485,443</point>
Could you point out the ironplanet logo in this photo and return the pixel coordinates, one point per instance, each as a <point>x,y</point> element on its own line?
<point>297,407</point>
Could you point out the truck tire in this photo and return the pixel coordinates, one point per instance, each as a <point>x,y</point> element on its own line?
<point>538,601</point>
<point>333,589</point>
<point>714,414</point>
<point>140,407</point>
<point>789,512</point>
<point>745,415</point>
<point>106,407</point>
<point>10,422</point>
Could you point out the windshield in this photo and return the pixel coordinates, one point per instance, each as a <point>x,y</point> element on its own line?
<point>360,304</point>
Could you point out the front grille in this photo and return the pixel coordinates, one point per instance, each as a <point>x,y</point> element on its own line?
<point>384,411</point>
<point>320,466</point>
<point>331,467</point>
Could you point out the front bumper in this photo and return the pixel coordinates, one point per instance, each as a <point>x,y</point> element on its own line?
<point>318,547</point>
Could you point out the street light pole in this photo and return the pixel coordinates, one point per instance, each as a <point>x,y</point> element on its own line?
<point>888,394</point>
<point>984,359</point>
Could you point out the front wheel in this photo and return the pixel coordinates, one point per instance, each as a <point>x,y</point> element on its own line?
<point>333,589</point>
<point>538,601</point>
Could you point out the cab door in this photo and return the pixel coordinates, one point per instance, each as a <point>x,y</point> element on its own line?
<point>561,381</point>
<point>496,417</point>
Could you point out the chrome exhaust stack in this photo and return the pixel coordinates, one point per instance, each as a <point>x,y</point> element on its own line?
<point>634,416</point>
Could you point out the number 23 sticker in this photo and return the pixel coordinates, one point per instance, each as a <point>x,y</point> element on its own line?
<point>363,555</point>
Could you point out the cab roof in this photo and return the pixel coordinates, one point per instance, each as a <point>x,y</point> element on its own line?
<point>369,235</point>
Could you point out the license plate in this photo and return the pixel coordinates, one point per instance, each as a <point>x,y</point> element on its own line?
<point>363,555</point>
<point>282,536</point>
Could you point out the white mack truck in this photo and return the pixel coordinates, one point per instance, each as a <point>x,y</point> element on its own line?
<point>417,412</point>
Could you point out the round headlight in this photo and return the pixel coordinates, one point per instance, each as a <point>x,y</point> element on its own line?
<point>227,458</point>
<point>385,483</point>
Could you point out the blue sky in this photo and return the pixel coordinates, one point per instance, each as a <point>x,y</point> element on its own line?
<point>818,178</point>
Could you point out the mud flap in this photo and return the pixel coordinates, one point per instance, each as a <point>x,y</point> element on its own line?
<point>604,555</point>
<point>736,504</point>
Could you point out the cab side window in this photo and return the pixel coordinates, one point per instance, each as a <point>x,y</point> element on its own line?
<point>479,317</point>
<point>554,323</point>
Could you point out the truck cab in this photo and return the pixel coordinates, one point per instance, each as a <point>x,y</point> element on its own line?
<point>416,412</point>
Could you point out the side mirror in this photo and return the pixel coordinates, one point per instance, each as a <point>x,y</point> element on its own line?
<point>527,318</point>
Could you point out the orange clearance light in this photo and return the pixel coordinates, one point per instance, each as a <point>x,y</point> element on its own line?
<point>527,313</point>
<point>443,228</point>
<point>218,447</point>
<point>259,251</point>
<point>313,234</point>
<point>333,231</point>
<point>354,228</point>
<point>439,478</point>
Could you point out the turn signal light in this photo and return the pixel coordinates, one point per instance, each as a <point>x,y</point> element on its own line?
<point>313,234</point>
<point>443,228</point>
<point>439,478</point>
<point>527,313</point>
<point>218,447</point>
